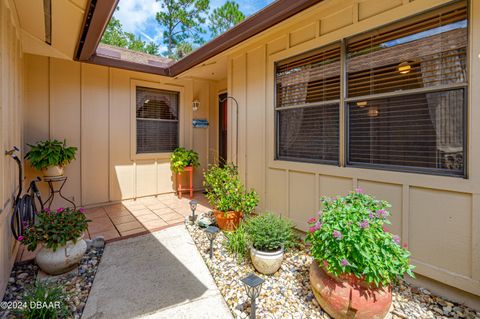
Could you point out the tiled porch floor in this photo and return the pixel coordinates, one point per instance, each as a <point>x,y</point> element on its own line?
<point>135,217</point>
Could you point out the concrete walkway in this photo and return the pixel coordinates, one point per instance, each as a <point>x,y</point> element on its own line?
<point>158,275</point>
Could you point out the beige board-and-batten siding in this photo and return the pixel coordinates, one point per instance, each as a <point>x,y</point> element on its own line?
<point>93,108</point>
<point>438,216</point>
<point>11,110</point>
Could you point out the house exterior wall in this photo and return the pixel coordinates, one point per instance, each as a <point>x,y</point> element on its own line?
<point>92,107</point>
<point>439,217</point>
<point>11,102</point>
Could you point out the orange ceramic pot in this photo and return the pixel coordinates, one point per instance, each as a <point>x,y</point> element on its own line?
<point>348,296</point>
<point>228,221</point>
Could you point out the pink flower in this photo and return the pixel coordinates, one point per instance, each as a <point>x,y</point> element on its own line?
<point>405,245</point>
<point>318,225</point>
<point>312,220</point>
<point>311,229</point>
<point>381,213</point>
<point>385,229</point>
<point>371,216</point>
<point>396,239</point>
<point>344,262</point>
<point>337,234</point>
<point>364,224</point>
<point>61,209</point>
<point>46,210</point>
<point>359,190</point>
<point>20,238</point>
<point>81,210</point>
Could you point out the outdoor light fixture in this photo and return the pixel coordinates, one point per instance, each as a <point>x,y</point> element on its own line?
<point>404,68</point>
<point>253,285</point>
<point>193,207</point>
<point>195,105</point>
<point>211,231</point>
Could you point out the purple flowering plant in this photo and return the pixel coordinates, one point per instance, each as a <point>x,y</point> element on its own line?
<point>349,237</point>
<point>54,228</point>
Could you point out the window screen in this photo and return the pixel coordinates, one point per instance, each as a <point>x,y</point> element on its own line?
<point>157,120</point>
<point>406,93</point>
<point>307,106</point>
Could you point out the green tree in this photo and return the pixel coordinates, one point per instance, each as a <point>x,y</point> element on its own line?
<point>182,21</point>
<point>224,18</point>
<point>182,49</point>
<point>114,35</point>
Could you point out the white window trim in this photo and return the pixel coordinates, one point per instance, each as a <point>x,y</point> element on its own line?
<point>133,118</point>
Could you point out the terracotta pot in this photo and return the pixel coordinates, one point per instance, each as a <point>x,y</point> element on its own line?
<point>64,259</point>
<point>266,262</point>
<point>228,221</point>
<point>349,296</point>
<point>53,171</point>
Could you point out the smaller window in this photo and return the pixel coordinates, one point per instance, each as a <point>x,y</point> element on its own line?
<point>157,120</point>
<point>307,106</point>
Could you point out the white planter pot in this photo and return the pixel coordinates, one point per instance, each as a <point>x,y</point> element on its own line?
<point>53,171</point>
<point>64,259</point>
<point>266,263</point>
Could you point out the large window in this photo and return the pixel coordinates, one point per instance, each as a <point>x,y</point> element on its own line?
<point>406,94</point>
<point>405,88</point>
<point>157,120</point>
<point>307,106</point>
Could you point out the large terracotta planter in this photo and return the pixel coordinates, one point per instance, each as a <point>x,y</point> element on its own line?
<point>63,259</point>
<point>348,296</point>
<point>228,221</point>
<point>266,262</point>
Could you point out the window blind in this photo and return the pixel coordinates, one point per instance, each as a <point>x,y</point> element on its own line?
<point>157,120</point>
<point>307,106</point>
<point>309,78</point>
<point>418,131</point>
<point>424,52</point>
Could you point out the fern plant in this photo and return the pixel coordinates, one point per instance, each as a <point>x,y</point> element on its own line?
<point>49,153</point>
<point>182,158</point>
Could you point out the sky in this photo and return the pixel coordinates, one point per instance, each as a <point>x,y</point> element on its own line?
<point>138,16</point>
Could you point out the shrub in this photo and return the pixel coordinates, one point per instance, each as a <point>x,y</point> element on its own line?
<point>52,298</point>
<point>226,192</point>
<point>237,242</point>
<point>182,158</point>
<point>269,232</point>
<point>55,228</point>
<point>50,153</point>
<point>349,237</point>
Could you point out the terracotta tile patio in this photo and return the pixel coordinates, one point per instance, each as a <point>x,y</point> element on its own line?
<point>135,217</point>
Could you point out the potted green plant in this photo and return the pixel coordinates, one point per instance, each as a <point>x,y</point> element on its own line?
<point>182,158</point>
<point>226,193</point>
<point>60,232</point>
<point>50,156</point>
<point>269,236</point>
<point>356,260</point>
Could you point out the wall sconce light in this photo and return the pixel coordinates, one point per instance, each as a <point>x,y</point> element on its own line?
<point>404,68</point>
<point>195,105</point>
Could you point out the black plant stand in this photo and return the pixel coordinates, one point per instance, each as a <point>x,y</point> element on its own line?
<point>53,191</point>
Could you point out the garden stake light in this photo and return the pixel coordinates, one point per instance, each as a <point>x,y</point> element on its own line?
<point>193,207</point>
<point>211,234</point>
<point>253,285</point>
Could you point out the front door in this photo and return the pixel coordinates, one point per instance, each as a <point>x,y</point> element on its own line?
<point>223,120</point>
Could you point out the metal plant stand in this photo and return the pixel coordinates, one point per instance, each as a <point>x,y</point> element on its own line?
<point>50,181</point>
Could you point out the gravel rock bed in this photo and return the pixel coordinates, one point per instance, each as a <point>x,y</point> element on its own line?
<point>287,293</point>
<point>76,283</point>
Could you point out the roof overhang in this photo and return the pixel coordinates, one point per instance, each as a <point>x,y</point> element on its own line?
<point>100,11</point>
